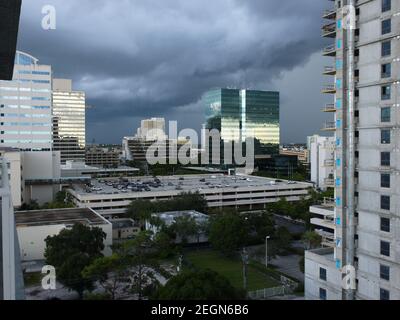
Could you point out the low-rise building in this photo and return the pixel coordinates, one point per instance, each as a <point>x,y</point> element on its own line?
<point>113,196</point>
<point>124,229</point>
<point>34,227</point>
<point>169,218</point>
<point>102,157</point>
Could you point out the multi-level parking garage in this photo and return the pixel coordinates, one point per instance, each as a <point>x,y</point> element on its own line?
<point>111,197</point>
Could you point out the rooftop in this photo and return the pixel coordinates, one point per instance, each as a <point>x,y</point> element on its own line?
<point>188,183</point>
<point>58,216</point>
<point>169,217</point>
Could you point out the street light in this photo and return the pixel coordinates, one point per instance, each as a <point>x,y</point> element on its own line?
<point>266,250</point>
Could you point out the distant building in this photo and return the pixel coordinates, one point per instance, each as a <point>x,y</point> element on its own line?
<point>152,129</point>
<point>124,229</point>
<point>34,227</point>
<point>69,109</point>
<point>26,115</point>
<point>240,114</point>
<point>169,218</point>
<point>102,157</point>
<point>322,155</point>
<point>302,154</point>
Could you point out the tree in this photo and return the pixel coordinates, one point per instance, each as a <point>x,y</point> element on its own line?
<point>141,210</point>
<point>140,256</point>
<point>110,273</point>
<point>185,227</point>
<point>228,232</point>
<point>312,240</point>
<point>71,251</point>
<point>283,238</point>
<point>261,225</point>
<point>199,285</point>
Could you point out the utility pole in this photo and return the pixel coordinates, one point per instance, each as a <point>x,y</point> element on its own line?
<point>266,250</point>
<point>245,259</point>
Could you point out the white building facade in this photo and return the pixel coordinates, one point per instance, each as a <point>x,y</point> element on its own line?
<point>322,159</point>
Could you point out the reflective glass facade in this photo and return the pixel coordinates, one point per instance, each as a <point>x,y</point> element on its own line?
<point>25,106</point>
<point>239,114</point>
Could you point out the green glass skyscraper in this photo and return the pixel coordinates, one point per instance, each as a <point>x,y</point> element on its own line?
<point>240,114</point>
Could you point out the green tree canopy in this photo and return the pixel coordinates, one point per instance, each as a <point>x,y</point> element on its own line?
<point>198,285</point>
<point>71,251</point>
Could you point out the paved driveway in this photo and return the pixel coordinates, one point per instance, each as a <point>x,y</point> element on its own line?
<point>289,265</point>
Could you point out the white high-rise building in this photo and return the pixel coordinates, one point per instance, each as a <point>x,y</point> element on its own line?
<point>321,155</point>
<point>25,106</point>
<point>69,109</point>
<point>152,129</point>
<point>366,210</point>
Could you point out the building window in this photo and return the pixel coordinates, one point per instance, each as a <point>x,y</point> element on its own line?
<point>385,159</point>
<point>386,26</point>
<point>386,114</point>
<point>322,274</point>
<point>322,294</point>
<point>385,202</point>
<point>385,136</point>
<point>385,248</point>
<point>385,294</point>
<point>385,224</point>
<point>386,5</point>
<point>385,180</point>
<point>386,48</point>
<point>385,272</point>
<point>386,92</point>
<point>386,70</point>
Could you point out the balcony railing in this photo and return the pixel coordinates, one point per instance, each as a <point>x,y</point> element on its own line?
<point>329,50</point>
<point>329,107</point>
<point>329,182</point>
<point>329,88</point>
<point>329,163</point>
<point>329,126</point>
<point>329,70</point>
<point>329,14</point>
<point>329,30</point>
<point>328,202</point>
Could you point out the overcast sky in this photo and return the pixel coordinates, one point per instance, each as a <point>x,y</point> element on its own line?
<point>155,58</point>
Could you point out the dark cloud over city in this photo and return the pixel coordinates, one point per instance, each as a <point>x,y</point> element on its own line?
<point>144,58</point>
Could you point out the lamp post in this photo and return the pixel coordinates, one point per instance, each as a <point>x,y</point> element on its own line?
<point>266,250</point>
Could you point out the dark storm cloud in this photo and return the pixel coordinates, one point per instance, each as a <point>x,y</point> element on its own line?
<point>138,58</point>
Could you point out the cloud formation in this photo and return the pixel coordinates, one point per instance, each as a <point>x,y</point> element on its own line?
<point>139,58</point>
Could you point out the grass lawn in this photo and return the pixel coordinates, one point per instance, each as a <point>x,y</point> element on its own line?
<point>232,269</point>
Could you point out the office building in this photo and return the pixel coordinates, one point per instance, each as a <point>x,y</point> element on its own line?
<point>321,152</point>
<point>102,157</point>
<point>241,114</point>
<point>69,109</point>
<point>25,106</point>
<point>152,129</point>
<point>366,166</point>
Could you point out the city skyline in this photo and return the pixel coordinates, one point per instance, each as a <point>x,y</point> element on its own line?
<point>127,79</point>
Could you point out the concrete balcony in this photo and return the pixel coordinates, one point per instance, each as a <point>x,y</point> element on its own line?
<point>323,210</point>
<point>329,88</point>
<point>329,182</point>
<point>329,14</point>
<point>328,238</point>
<point>329,163</point>
<point>329,30</point>
<point>325,223</point>
<point>329,126</point>
<point>329,51</point>
<point>329,71</point>
<point>329,107</point>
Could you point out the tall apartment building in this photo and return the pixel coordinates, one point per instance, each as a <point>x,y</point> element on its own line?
<point>25,106</point>
<point>68,121</point>
<point>106,157</point>
<point>366,108</point>
<point>321,151</point>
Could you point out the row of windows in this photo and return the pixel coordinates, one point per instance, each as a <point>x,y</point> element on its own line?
<point>43,73</point>
<point>25,141</point>
<point>25,98</point>
<point>24,89</point>
<point>25,124</point>
<point>27,132</point>
<point>14,106</point>
<point>24,115</point>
